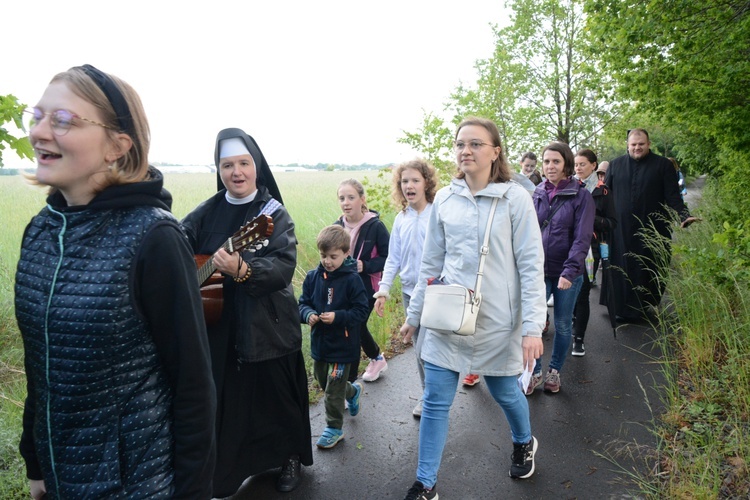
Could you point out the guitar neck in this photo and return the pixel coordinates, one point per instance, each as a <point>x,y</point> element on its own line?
<point>207,269</point>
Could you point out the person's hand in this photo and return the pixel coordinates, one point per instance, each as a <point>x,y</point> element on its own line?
<point>327,317</point>
<point>360,266</point>
<point>563,283</point>
<point>380,306</point>
<point>314,318</point>
<point>37,488</point>
<point>407,331</point>
<point>689,221</point>
<point>228,263</point>
<point>533,348</point>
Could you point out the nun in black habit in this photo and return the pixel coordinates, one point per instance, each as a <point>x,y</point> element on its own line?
<point>256,348</point>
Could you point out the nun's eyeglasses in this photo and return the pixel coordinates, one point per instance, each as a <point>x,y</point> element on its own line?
<point>60,120</point>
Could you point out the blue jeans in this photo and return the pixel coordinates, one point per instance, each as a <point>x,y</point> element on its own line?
<point>565,302</point>
<point>440,389</point>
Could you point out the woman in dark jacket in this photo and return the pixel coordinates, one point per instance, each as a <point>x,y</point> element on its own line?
<point>565,211</point>
<point>369,247</point>
<point>256,348</point>
<point>604,223</point>
<point>120,398</point>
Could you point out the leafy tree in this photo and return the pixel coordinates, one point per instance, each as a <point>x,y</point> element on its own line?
<point>543,79</point>
<point>687,63</point>
<point>540,84</point>
<point>435,141</point>
<point>12,111</point>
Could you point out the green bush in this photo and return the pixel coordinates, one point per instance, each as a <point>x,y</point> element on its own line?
<point>704,430</point>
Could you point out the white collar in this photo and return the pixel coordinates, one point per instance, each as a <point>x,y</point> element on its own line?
<point>241,201</point>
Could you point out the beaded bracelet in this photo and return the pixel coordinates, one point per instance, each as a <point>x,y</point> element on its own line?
<point>245,277</point>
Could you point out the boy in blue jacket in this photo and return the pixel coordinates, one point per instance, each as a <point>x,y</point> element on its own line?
<point>334,304</point>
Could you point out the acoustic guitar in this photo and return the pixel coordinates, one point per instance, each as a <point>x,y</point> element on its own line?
<point>251,236</point>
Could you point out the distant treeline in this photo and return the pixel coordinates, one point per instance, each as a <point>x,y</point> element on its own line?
<point>339,166</point>
<point>319,166</point>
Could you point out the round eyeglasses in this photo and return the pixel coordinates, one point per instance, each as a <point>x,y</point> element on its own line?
<point>60,120</point>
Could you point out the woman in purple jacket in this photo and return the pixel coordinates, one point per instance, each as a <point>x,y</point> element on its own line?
<point>565,210</point>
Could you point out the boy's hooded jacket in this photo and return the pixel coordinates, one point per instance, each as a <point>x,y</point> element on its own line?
<point>340,291</point>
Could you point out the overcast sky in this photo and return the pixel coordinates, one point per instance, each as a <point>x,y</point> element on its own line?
<point>312,81</point>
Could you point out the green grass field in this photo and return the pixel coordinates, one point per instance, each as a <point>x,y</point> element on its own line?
<point>311,201</point>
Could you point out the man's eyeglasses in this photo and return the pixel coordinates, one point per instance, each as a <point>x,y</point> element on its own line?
<point>60,120</point>
<point>474,145</point>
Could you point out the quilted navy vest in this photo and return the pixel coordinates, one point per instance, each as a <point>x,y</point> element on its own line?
<point>102,403</point>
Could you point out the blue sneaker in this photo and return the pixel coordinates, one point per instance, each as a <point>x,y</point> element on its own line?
<point>330,438</point>
<point>353,402</point>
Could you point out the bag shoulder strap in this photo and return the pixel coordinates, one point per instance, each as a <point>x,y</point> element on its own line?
<point>553,212</point>
<point>485,247</point>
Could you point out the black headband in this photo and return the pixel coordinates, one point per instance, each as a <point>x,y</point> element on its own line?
<point>115,98</point>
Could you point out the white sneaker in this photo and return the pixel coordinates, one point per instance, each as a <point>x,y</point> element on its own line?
<point>551,301</point>
<point>417,412</point>
<point>375,368</point>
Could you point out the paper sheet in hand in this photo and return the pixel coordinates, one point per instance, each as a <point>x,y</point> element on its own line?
<point>525,378</point>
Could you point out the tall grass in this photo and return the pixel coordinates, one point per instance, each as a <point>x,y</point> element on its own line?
<point>704,434</point>
<point>18,203</point>
<point>312,202</point>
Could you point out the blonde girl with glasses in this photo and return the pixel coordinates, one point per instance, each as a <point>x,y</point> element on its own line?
<point>120,398</point>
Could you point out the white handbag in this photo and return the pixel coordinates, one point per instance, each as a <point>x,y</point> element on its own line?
<point>454,308</point>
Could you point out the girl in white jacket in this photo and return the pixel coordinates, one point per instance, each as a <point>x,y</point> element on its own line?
<point>414,186</point>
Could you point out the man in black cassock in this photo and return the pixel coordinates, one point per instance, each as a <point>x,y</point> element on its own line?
<point>643,185</point>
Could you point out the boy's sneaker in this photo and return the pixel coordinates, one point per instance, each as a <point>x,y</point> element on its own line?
<point>471,380</point>
<point>552,381</point>
<point>330,438</point>
<point>375,368</point>
<point>417,411</point>
<point>522,459</point>
<point>536,381</point>
<point>353,402</point>
<point>578,348</point>
<point>419,492</point>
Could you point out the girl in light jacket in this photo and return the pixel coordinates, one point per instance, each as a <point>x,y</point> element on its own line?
<point>414,187</point>
<point>511,317</point>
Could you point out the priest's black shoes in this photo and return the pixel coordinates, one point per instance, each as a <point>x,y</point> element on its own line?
<point>290,475</point>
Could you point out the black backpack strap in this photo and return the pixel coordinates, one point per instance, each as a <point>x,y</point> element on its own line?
<point>552,214</point>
